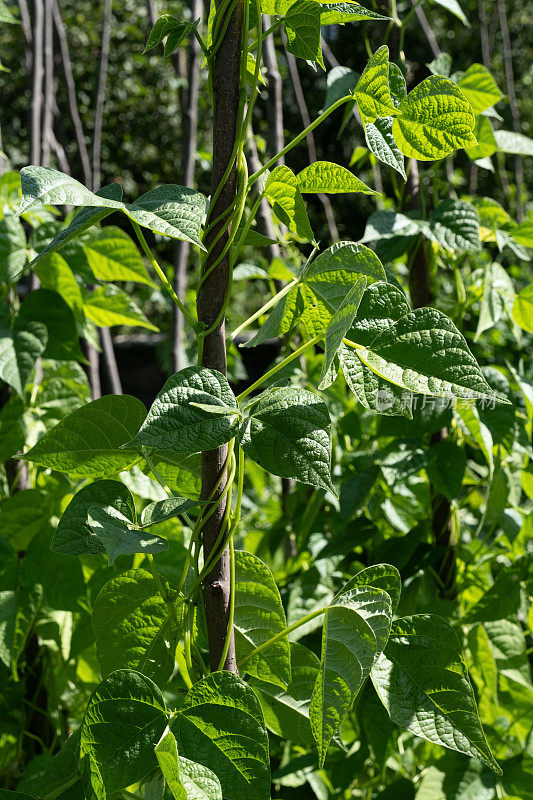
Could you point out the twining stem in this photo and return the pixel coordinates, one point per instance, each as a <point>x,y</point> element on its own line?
<point>162,277</point>
<point>282,634</point>
<point>272,302</point>
<point>260,381</point>
<point>325,114</point>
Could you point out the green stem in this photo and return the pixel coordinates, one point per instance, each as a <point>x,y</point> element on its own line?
<point>325,114</point>
<point>354,345</point>
<point>163,278</point>
<point>260,381</point>
<point>273,28</point>
<point>282,634</point>
<point>231,612</point>
<point>272,302</point>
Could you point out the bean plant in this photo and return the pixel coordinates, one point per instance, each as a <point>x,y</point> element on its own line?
<point>199,679</point>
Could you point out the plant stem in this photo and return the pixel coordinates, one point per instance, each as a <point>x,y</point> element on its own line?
<point>162,277</point>
<point>272,302</point>
<point>281,634</point>
<point>325,114</point>
<point>260,381</point>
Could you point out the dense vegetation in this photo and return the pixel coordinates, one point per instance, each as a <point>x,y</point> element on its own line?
<point>295,560</point>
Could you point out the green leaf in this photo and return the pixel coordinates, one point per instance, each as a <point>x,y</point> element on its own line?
<point>286,711</point>
<point>173,423</point>
<point>114,531</point>
<point>381,142</point>
<point>171,28</point>
<point>479,88</point>
<point>108,305</point>
<point>330,277</point>
<point>381,306</point>
<point>22,516</point>
<point>88,442</point>
<point>381,576</point>
<point>125,718</point>
<point>435,119</point>
<point>20,347</point>
<point>355,631</point>
<point>509,648</point>
<point>83,220</point>
<point>170,210</point>
<point>515,143</point>
<point>454,8</point>
<point>74,535</point>
<point>468,415</point>
<point>340,13</point>
<point>289,434</point>
<point>56,275</point>
<point>447,468</point>
<point>45,186</point>
<point>91,779</point>
<point>112,256</point>
<point>259,616</point>
<point>6,15</point>
<point>423,683</point>
<point>486,143</point>
<point>282,191</point>
<point>134,627</point>
<point>454,225</point>
<point>302,26</point>
<point>221,726</point>
<point>372,92</point>
<point>340,81</point>
<point>523,309</point>
<point>441,65</point>
<point>424,352</point>
<point>498,297</point>
<point>13,255</point>
<point>154,513</point>
<point>185,779</point>
<point>329,178</point>
<point>49,309</point>
<point>18,612</point>
<point>372,391</point>
<point>341,322</point>
<point>281,320</point>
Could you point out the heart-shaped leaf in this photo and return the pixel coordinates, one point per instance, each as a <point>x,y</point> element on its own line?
<point>118,537</point>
